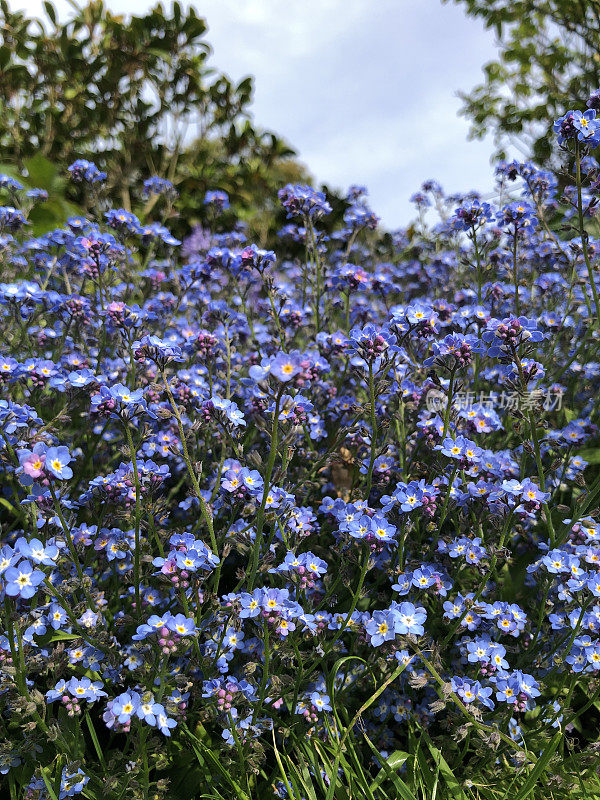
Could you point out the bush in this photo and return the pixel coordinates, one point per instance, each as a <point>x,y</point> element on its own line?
<point>319,523</point>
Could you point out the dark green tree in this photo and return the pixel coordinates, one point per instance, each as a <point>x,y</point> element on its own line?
<point>548,62</point>
<point>138,96</point>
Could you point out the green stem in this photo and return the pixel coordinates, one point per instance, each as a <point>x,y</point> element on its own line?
<point>478,259</point>
<point>584,236</point>
<point>71,546</point>
<point>260,517</point>
<point>448,405</point>
<point>459,703</point>
<point>136,554</point>
<point>373,431</point>
<point>206,513</point>
<point>516,272</point>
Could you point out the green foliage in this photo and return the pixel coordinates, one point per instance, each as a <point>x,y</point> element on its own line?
<point>549,59</point>
<point>39,173</point>
<point>138,96</point>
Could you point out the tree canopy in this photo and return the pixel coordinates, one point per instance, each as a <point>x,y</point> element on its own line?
<point>139,96</point>
<point>549,58</point>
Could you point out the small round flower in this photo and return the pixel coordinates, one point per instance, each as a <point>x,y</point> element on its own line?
<point>157,186</point>
<point>125,706</point>
<point>381,627</point>
<point>83,171</point>
<point>218,199</point>
<point>302,200</point>
<point>57,461</point>
<point>22,580</point>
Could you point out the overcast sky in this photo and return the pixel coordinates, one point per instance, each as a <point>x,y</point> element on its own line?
<point>364,90</point>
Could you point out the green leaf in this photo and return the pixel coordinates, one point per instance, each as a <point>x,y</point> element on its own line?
<point>46,780</point>
<point>451,780</point>
<point>402,789</point>
<point>50,11</point>
<point>393,762</point>
<point>95,741</point>
<point>41,171</point>
<point>206,757</point>
<point>540,767</point>
<point>59,636</point>
<point>591,456</point>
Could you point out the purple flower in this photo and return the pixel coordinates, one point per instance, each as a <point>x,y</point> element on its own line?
<point>33,461</point>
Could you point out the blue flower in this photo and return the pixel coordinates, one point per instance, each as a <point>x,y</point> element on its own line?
<point>36,551</point>
<point>471,215</point>
<point>507,690</point>
<point>125,706</point>
<point>56,693</point>
<point>123,220</point>
<point>586,124</point>
<point>11,218</point>
<point>22,580</point>
<point>217,199</point>
<point>164,723</point>
<point>285,366</point>
<point>159,350</point>
<point>381,627</point>
<point>57,460</point>
<point>320,701</point>
<point>181,625</point>
<point>72,782</point>
<point>302,200</point>
<point>251,604</point>
<point>409,618</point>
<point>157,186</point>
<point>86,171</point>
<point>85,689</point>
<point>148,709</point>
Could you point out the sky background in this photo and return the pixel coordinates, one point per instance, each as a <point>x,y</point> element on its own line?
<point>364,90</point>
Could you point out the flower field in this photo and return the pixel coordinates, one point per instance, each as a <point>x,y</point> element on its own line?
<point>316,522</point>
